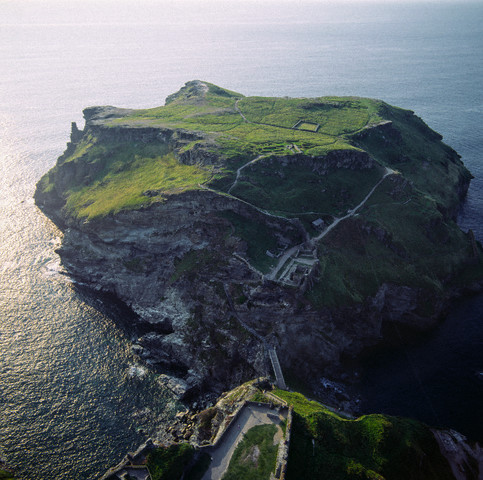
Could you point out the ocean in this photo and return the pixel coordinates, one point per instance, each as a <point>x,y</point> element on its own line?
<point>73,399</point>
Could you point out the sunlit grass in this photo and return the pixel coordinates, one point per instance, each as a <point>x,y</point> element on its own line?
<point>379,447</point>
<point>255,456</point>
<point>271,121</point>
<point>124,190</point>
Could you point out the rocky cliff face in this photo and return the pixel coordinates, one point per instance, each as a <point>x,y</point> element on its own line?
<point>183,267</point>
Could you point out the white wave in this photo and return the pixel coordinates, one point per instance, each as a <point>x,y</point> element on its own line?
<point>137,371</point>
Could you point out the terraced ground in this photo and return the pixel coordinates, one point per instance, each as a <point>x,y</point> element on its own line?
<point>255,150</point>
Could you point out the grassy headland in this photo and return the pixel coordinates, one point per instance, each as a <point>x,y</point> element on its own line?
<point>302,159</point>
<point>323,444</point>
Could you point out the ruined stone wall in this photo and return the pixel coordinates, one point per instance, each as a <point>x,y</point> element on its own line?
<point>283,448</point>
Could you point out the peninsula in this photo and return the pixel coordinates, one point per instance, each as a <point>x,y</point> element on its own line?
<point>233,226</point>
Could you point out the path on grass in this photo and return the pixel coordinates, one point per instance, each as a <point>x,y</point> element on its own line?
<point>351,213</point>
<point>293,250</point>
<point>241,168</point>
<point>249,417</point>
<point>290,252</point>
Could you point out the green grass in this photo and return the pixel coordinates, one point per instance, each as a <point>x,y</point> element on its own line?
<point>417,152</point>
<point>336,116</point>
<point>115,176</point>
<point>311,127</point>
<point>169,463</point>
<point>122,183</point>
<point>258,236</point>
<point>301,404</point>
<point>271,120</point>
<point>260,397</point>
<point>255,456</point>
<point>295,188</point>
<point>5,475</point>
<point>325,445</point>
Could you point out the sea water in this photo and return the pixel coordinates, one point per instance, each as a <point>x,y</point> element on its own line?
<point>72,398</point>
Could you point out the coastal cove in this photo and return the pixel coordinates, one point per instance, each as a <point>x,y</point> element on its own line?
<point>68,379</point>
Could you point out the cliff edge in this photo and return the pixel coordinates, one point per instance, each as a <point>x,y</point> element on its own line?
<point>233,224</point>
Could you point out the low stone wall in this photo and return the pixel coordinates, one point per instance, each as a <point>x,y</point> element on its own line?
<point>283,448</point>
<point>130,461</point>
<point>231,420</point>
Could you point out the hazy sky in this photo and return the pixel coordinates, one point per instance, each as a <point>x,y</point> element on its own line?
<point>187,11</point>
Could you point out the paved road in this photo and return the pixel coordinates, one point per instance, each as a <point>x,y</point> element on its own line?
<point>249,417</point>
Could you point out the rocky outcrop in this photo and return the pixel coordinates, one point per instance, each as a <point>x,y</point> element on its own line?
<point>466,460</point>
<point>184,269</point>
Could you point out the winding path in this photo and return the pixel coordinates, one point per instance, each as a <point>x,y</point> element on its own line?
<point>290,252</point>
<point>352,212</point>
<point>293,250</point>
<point>241,168</point>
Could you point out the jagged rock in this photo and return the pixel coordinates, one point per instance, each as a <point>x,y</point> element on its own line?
<point>181,388</point>
<point>175,257</point>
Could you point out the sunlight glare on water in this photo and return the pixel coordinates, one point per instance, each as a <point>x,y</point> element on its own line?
<point>72,396</point>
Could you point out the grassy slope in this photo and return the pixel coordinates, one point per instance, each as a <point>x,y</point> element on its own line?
<point>419,247</point>
<point>121,173</point>
<point>395,242</point>
<point>125,171</point>
<point>325,445</point>
<point>243,465</point>
<point>418,153</point>
<point>292,190</point>
<point>5,475</point>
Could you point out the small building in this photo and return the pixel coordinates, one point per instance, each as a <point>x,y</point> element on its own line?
<point>319,223</point>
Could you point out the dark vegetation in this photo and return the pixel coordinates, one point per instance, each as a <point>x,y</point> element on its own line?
<point>293,189</point>
<point>169,463</point>
<point>380,447</point>
<point>5,475</point>
<point>258,237</point>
